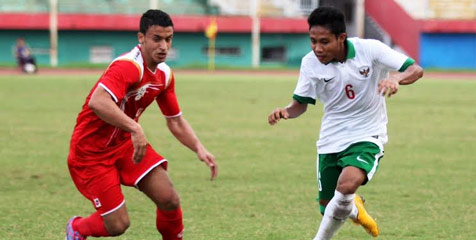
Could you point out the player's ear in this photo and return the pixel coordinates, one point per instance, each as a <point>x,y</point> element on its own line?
<point>341,37</point>
<point>140,37</point>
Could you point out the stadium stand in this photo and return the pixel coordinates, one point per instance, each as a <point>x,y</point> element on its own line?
<point>269,8</point>
<point>24,6</point>
<point>189,7</point>
<point>452,9</point>
<point>425,29</point>
<point>432,28</point>
<point>440,9</point>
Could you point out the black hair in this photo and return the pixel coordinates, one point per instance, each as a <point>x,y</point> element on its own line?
<point>328,17</point>
<point>154,17</point>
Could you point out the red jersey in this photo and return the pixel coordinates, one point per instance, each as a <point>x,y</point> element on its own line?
<point>133,87</point>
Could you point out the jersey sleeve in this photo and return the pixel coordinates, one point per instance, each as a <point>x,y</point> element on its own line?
<point>305,91</point>
<point>167,100</point>
<point>118,77</point>
<point>391,59</point>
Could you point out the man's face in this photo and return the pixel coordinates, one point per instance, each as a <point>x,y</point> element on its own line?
<point>325,44</point>
<point>156,43</point>
<point>20,42</point>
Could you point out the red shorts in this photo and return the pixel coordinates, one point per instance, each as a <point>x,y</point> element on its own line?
<point>101,182</point>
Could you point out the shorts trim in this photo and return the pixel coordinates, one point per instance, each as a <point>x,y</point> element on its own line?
<point>374,168</point>
<point>148,170</point>
<point>114,209</point>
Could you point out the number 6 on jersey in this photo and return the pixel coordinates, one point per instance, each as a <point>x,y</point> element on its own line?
<point>349,92</point>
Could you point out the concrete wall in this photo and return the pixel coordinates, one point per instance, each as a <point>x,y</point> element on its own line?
<point>189,49</point>
<point>37,40</point>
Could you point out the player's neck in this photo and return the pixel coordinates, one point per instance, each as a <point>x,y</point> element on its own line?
<point>341,57</point>
<point>149,63</point>
<point>151,66</point>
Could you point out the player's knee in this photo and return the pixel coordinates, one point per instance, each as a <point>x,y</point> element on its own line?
<point>173,203</point>
<point>170,202</point>
<point>348,187</point>
<point>118,227</point>
<point>350,179</point>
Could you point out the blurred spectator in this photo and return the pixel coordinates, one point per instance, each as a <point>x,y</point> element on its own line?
<point>26,61</point>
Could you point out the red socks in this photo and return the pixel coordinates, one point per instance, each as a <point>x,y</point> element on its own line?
<point>169,224</point>
<point>91,226</point>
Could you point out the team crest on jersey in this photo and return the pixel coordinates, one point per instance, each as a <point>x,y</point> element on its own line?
<point>364,71</point>
<point>140,93</point>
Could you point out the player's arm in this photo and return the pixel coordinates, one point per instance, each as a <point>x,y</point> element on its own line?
<point>111,89</point>
<point>409,71</point>
<point>105,108</point>
<point>182,130</point>
<point>304,94</point>
<point>293,110</point>
<point>389,86</point>
<point>410,75</point>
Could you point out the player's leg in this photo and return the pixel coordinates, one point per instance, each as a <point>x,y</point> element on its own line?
<point>21,64</point>
<point>341,205</point>
<point>328,174</point>
<point>364,156</point>
<point>101,186</point>
<point>150,176</point>
<point>359,163</point>
<point>96,225</point>
<point>158,187</point>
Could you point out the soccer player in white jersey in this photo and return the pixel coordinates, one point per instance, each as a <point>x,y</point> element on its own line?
<point>350,76</point>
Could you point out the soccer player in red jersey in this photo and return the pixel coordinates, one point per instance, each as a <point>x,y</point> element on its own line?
<point>109,148</point>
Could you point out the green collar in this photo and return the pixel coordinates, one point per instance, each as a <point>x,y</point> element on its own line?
<point>350,51</point>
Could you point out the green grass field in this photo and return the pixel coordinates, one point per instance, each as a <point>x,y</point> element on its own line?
<point>425,187</point>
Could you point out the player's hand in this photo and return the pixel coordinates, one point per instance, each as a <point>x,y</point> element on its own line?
<point>277,114</point>
<point>208,159</point>
<point>140,144</point>
<point>388,86</point>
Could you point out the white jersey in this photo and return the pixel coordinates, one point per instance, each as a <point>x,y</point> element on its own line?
<point>353,110</point>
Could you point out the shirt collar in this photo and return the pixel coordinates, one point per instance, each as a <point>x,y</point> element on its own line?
<point>350,51</point>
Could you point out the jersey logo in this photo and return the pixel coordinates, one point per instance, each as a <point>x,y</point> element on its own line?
<point>141,93</point>
<point>364,71</point>
<point>97,203</point>
<point>361,160</point>
<point>143,90</point>
<point>326,80</point>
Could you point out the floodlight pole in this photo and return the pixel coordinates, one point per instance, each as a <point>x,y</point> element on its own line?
<point>54,33</point>
<point>154,4</point>
<point>255,33</point>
